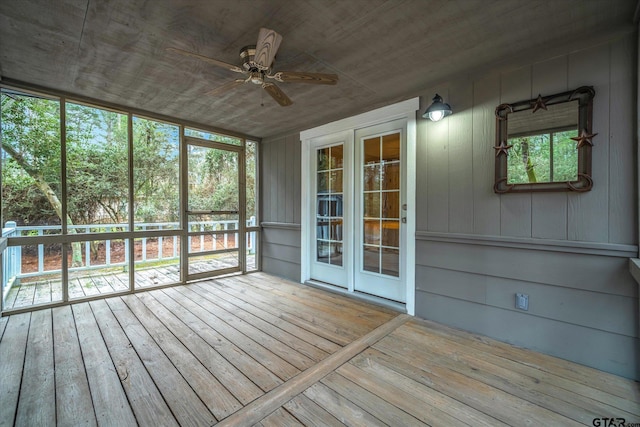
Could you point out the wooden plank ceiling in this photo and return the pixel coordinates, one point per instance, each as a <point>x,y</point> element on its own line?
<point>258,350</point>
<point>382,50</point>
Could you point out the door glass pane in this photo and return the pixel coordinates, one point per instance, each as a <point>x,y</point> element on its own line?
<point>213,179</point>
<point>336,181</point>
<point>372,231</point>
<point>252,251</point>
<point>381,204</point>
<point>323,182</point>
<point>390,262</point>
<point>391,204</point>
<point>209,263</point>
<point>329,219</point>
<point>391,147</point>
<point>337,157</point>
<point>336,253</point>
<point>371,178</point>
<point>391,233</point>
<point>372,205</point>
<point>323,159</point>
<point>371,258</point>
<point>391,176</point>
<point>371,150</point>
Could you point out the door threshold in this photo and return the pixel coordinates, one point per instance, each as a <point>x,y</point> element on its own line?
<point>387,303</point>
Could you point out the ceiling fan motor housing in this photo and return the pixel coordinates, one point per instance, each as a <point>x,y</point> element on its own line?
<point>248,54</point>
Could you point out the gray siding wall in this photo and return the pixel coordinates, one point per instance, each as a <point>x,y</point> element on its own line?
<point>568,251</point>
<point>280,186</point>
<point>475,249</point>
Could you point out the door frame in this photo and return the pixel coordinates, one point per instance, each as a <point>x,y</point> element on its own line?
<point>402,110</point>
<point>184,208</point>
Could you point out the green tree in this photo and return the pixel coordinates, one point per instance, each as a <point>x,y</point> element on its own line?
<point>155,171</point>
<point>31,136</point>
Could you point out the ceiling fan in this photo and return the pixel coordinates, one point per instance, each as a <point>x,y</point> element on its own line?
<point>257,63</point>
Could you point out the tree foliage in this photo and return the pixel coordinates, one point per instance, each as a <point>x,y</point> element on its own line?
<point>547,157</point>
<point>97,166</point>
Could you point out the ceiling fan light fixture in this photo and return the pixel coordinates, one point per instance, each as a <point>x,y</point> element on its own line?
<point>256,78</point>
<point>438,109</point>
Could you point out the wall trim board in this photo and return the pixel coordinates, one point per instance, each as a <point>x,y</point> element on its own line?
<point>634,268</point>
<point>280,225</point>
<point>567,246</point>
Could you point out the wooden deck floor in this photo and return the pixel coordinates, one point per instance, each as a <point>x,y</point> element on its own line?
<point>88,283</point>
<point>258,350</point>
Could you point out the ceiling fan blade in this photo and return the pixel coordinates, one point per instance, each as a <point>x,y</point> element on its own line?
<point>226,87</point>
<point>277,94</point>
<point>266,47</point>
<point>206,59</point>
<point>298,77</point>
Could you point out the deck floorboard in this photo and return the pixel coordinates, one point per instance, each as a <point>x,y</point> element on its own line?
<point>260,350</point>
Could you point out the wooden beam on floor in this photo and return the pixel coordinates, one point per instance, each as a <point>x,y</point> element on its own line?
<point>265,405</point>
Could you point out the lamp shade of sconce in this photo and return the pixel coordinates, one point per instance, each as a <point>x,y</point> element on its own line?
<point>438,110</point>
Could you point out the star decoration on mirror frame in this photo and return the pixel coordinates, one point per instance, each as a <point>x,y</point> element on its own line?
<point>538,104</point>
<point>584,139</point>
<point>502,148</point>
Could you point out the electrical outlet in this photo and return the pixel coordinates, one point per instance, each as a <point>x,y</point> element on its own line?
<point>522,301</point>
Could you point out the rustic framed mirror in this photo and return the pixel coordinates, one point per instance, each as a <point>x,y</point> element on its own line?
<point>545,144</point>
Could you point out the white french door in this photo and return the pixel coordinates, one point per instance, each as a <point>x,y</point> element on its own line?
<point>358,189</point>
<point>380,209</point>
<point>358,203</point>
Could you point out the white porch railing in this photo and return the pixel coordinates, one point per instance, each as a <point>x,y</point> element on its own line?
<point>12,256</point>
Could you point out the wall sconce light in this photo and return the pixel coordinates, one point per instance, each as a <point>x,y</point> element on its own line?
<point>438,110</point>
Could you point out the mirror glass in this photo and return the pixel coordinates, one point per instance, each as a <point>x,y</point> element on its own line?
<point>542,149</point>
<point>545,144</point>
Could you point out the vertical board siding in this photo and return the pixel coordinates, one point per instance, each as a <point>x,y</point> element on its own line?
<point>422,165</point>
<point>472,285</point>
<point>589,212</point>
<point>549,210</point>
<point>461,159</point>
<point>515,209</point>
<point>265,181</point>
<point>438,171</point>
<point>282,181</point>
<point>623,188</point>
<point>456,156</point>
<point>486,212</point>
<point>280,192</point>
<point>280,189</point>
<point>273,174</point>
